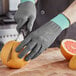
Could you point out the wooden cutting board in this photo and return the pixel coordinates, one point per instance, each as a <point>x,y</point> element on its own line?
<point>49,63</point>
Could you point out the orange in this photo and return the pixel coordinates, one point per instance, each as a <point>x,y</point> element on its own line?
<point>9,56</point>
<point>72,63</point>
<point>68,48</point>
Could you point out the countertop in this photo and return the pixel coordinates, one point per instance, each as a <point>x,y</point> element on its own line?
<point>50,63</point>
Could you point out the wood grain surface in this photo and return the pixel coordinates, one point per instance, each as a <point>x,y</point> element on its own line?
<point>49,63</point>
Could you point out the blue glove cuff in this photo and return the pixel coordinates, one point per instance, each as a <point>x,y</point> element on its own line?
<point>62,21</point>
<point>28,0</point>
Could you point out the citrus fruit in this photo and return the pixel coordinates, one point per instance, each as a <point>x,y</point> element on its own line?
<point>9,56</point>
<point>68,48</point>
<point>72,63</point>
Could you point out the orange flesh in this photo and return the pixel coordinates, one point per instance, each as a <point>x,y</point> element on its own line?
<point>9,56</point>
<point>70,46</point>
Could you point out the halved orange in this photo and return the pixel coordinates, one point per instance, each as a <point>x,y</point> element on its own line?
<point>9,56</point>
<point>68,48</point>
<point>72,63</point>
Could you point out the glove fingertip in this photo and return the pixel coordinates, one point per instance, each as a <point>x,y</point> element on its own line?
<point>18,49</point>
<point>26,59</point>
<point>19,56</point>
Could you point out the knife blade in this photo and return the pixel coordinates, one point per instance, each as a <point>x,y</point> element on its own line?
<point>23,32</point>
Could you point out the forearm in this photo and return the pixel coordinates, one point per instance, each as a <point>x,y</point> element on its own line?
<point>36,1</point>
<point>70,12</point>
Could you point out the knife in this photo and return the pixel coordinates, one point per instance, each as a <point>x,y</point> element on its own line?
<point>24,33</point>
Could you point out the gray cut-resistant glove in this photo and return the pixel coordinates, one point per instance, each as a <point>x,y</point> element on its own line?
<point>40,39</point>
<point>69,33</point>
<point>25,16</point>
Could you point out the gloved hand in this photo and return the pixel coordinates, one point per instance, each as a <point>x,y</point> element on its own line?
<point>69,33</point>
<point>25,16</point>
<point>41,39</point>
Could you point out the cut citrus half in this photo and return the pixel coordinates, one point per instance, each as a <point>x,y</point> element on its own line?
<point>68,48</point>
<point>9,56</point>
